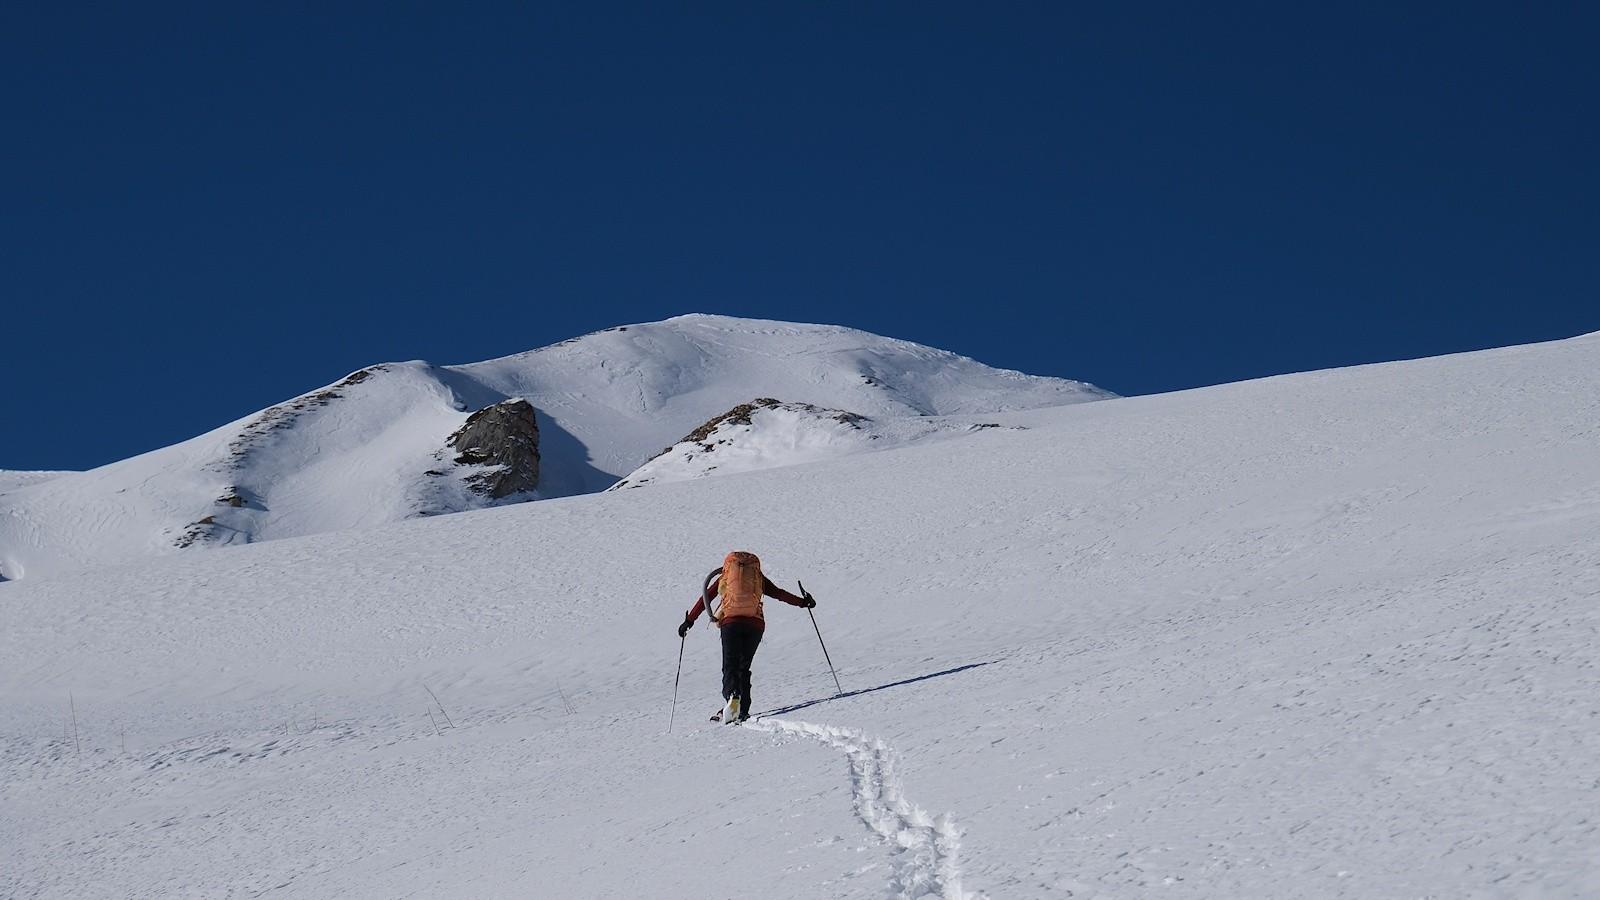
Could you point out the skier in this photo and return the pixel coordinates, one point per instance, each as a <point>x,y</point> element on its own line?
<point>741,585</point>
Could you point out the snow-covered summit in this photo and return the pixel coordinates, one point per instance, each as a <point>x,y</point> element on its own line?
<point>625,393</point>
<point>376,446</point>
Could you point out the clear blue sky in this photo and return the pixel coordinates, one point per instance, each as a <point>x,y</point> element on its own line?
<point>206,208</point>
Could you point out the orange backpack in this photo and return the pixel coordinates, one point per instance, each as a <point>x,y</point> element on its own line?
<point>740,586</point>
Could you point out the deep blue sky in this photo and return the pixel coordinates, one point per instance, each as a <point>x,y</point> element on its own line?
<point>207,208</point>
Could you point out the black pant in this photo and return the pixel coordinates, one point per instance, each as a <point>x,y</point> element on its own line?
<point>739,643</point>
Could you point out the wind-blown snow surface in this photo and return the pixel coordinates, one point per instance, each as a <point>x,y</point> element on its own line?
<point>10,480</point>
<point>372,448</point>
<point>1322,635</point>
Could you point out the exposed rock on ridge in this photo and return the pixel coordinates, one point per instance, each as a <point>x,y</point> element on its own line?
<point>741,415</point>
<point>791,432</point>
<point>284,415</point>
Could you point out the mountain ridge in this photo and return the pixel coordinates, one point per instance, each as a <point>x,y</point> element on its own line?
<point>373,446</point>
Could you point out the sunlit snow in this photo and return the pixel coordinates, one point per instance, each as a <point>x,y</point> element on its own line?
<point>1322,635</point>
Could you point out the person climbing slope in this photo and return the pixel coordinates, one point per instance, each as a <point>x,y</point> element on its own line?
<point>740,586</point>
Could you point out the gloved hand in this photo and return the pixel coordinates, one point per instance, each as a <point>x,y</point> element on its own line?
<point>810,601</point>
<point>684,628</point>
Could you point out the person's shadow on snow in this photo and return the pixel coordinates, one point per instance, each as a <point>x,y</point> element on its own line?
<point>881,687</point>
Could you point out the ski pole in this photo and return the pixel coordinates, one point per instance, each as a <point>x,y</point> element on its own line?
<point>681,641</point>
<point>807,594</point>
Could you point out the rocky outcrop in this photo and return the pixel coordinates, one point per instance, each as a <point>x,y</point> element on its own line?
<point>739,415</point>
<point>764,433</point>
<point>503,439</point>
<point>742,415</point>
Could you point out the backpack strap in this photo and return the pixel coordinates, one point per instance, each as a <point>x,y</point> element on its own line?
<point>708,593</point>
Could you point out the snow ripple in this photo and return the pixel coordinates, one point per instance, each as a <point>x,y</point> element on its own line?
<point>925,863</point>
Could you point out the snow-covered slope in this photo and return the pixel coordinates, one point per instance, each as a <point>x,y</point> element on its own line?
<point>1324,635</point>
<point>10,479</point>
<point>352,454</point>
<point>372,448</point>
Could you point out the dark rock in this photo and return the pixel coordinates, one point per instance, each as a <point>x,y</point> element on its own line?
<point>504,440</point>
<point>195,532</point>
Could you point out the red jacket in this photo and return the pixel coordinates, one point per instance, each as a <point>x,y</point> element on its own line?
<point>767,588</point>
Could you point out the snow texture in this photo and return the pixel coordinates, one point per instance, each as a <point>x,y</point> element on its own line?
<point>1323,635</point>
<point>10,479</point>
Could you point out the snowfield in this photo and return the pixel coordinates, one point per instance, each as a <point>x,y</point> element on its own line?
<point>1323,635</point>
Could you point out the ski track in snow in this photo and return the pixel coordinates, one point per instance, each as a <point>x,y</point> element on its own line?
<point>926,854</point>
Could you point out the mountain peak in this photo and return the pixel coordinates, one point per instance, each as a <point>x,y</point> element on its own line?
<point>376,446</point>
